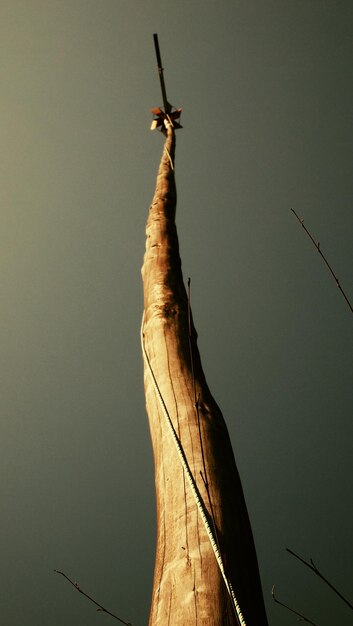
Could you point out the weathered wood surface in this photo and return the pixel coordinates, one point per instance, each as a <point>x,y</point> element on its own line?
<point>188,587</point>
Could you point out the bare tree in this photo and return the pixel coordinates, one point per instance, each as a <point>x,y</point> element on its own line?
<point>206,570</point>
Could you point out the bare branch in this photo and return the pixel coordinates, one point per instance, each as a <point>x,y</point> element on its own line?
<point>311,565</point>
<point>318,248</point>
<point>100,607</point>
<point>301,617</point>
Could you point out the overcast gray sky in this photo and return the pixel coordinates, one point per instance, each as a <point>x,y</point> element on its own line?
<point>266,91</point>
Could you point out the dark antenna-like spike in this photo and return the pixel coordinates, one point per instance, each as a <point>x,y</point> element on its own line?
<point>161,77</point>
<point>168,114</point>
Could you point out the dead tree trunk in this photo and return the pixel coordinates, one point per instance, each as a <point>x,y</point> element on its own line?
<point>202,521</point>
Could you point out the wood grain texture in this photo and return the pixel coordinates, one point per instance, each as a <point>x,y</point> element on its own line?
<point>188,587</point>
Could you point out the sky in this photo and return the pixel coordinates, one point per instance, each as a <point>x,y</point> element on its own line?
<point>266,92</point>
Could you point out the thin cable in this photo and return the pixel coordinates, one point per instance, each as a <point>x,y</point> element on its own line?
<point>191,480</point>
<point>166,124</point>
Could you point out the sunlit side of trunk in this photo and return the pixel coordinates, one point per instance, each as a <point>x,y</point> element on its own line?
<point>189,588</point>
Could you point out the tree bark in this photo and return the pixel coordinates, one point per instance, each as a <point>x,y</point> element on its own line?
<point>189,588</point>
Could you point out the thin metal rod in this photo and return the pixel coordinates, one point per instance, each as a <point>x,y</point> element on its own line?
<point>161,77</point>
<point>203,473</point>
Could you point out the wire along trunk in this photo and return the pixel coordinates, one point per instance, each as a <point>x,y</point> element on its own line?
<point>206,571</point>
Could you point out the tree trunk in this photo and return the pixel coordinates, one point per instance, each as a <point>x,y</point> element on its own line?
<point>202,521</point>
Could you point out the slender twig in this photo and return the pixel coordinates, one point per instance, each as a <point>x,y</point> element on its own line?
<point>318,248</point>
<point>301,617</point>
<point>311,565</point>
<point>100,607</point>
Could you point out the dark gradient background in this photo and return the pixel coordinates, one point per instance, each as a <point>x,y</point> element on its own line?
<point>266,91</point>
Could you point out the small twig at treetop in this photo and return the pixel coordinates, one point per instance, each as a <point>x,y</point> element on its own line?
<point>311,565</point>
<point>100,607</point>
<point>301,617</point>
<point>318,248</point>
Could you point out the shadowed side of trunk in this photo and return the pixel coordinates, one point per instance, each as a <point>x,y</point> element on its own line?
<point>189,588</point>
